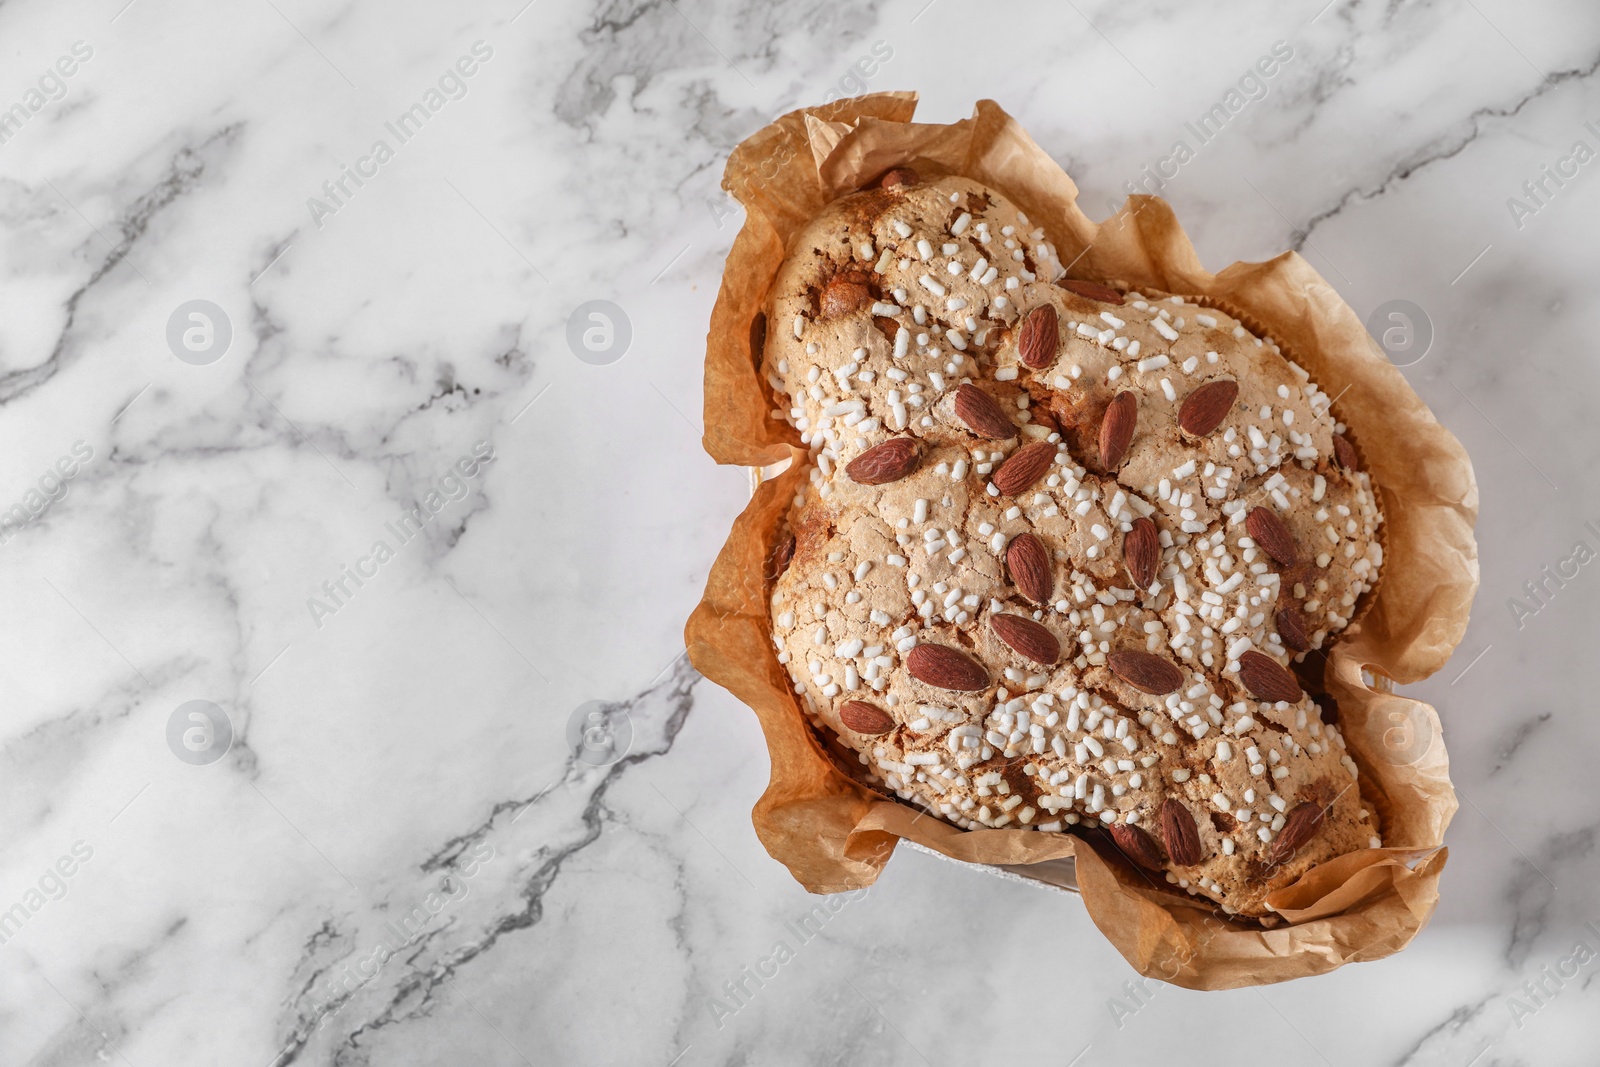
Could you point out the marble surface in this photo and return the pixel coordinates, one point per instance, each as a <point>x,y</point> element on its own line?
<point>396,860</point>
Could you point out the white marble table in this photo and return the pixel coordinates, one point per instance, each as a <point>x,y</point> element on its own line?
<point>397,862</point>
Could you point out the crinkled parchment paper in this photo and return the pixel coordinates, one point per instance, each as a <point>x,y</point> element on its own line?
<point>834,833</point>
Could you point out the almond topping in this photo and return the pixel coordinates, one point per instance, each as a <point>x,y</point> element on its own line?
<point>944,667</point>
<point>1272,535</point>
<point>1027,638</point>
<point>778,561</point>
<point>1301,825</point>
<point>1141,551</point>
<point>888,462</point>
<point>982,413</point>
<point>1145,671</point>
<point>1040,335</point>
<point>1204,409</point>
<point>1093,290</point>
<point>1179,833</point>
<point>1292,630</point>
<point>1137,846</point>
<point>1344,453</point>
<point>1024,467</point>
<point>1029,563</point>
<point>1267,679</point>
<point>863,718</point>
<point>1116,429</point>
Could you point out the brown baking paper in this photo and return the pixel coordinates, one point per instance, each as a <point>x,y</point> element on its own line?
<point>835,833</point>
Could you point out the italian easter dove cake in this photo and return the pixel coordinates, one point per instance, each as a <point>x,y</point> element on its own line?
<point>1063,545</point>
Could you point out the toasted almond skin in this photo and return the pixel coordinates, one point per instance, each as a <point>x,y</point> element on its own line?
<point>1301,825</point>
<point>782,553</point>
<point>888,462</point>
<point>842,295</point>
<point>1267,680</point>
<point>863,718</point>
<point>1137,846</point>
<point>1027,638</point>
<point>1204,409</point>
<point>1145,671</point>
<point>1179,834</point>
<point>1344,453</point>
<point>944,667</point>
<point>1272,535</point>
<point>1292,630</point>
<point>1116,429</point>
<point>1040,337</point>
<point>1141,551</point>
<point>1029,562</point>
<point>899,176</point>
<point>758,337</point>
<point>1024,467</point>
<point>1093,290</point>
<point>983,414</point>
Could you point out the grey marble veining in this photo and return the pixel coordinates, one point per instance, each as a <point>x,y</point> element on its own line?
<point>399,859</point>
